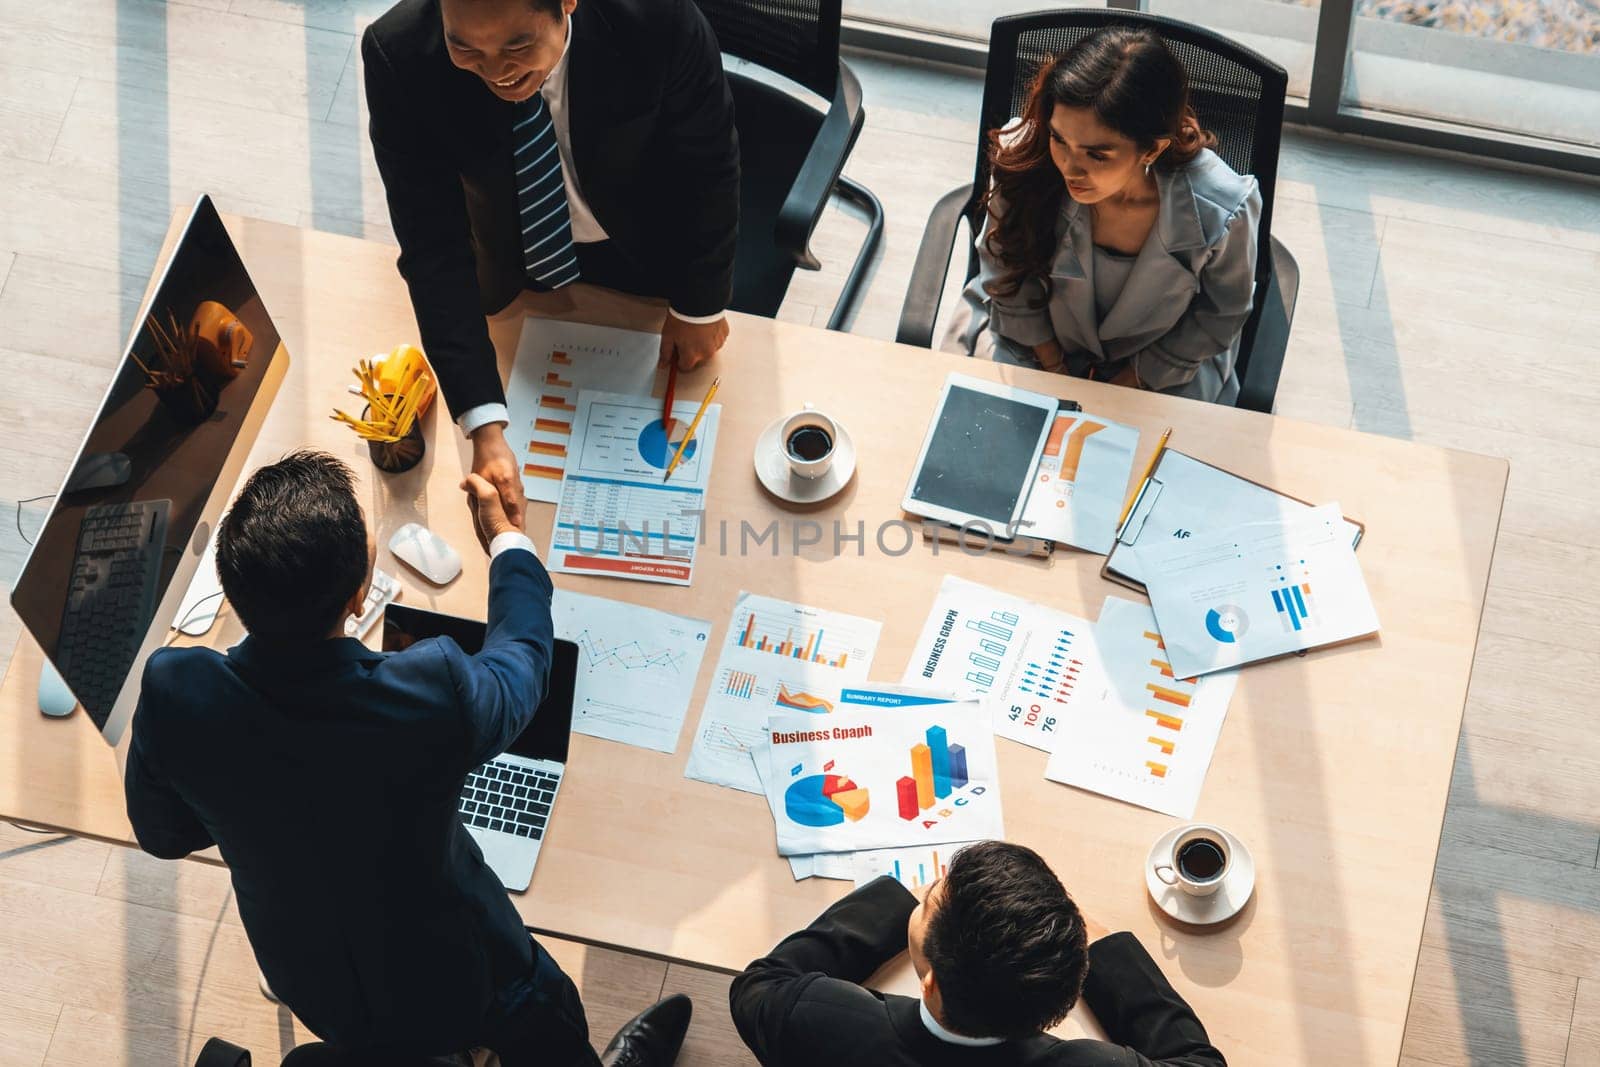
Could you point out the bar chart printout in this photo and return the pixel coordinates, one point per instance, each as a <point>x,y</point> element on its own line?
<point>777,657</point>
<point>914,868</point>
<point>1039,663</point>
<point>1150,739</point>
<point>1257,590</point>
<point>554,362</point>
<point>1082,479</point>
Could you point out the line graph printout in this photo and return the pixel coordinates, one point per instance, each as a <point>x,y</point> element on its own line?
<point>636,668</point>
<point>554,362</point>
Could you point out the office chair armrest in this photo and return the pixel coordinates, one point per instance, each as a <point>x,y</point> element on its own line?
<point>220,1053</point>
<point>809,195</point>
<point>1259,386</point>
<point>928,273</point>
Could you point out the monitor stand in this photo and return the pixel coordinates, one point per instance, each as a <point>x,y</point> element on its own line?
<point>55,699</point>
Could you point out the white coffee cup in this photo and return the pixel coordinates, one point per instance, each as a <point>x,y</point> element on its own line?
<point>1199,861</point>
<point>809,440</point>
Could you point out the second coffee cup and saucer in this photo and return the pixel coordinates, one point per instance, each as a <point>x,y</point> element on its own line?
<point>1200,874</point>
<point>805,458</point>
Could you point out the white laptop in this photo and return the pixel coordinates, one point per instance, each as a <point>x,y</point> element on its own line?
<point>506,804</point>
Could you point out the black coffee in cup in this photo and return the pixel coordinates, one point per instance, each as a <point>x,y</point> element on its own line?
<point>1201,860</point>
<point>810,443</point>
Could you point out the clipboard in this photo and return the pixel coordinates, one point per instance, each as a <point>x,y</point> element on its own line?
<point>1180,489</point>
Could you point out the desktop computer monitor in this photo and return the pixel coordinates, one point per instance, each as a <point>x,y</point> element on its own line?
<point>124,537</point>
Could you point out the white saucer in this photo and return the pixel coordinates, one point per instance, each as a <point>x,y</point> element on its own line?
<point>1231,895</point>
<point>772,467</point>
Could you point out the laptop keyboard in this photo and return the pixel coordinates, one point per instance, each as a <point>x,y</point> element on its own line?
<point>508,798</point>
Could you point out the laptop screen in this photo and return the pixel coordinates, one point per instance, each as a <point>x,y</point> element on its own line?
<point>547,736</point>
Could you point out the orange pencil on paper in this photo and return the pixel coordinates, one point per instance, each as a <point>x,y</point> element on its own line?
<point>693,426</point>
<point>666,402</point>
<point>1150,468</point>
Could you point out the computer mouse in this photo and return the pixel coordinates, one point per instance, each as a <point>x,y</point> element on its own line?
<point>55,699</point>
<point>426,553</point>
<point>100,470</point>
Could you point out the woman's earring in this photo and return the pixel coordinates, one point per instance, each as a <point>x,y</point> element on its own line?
<point>1147,168</point>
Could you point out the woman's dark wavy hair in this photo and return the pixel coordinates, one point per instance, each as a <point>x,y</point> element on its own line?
<point>1134,85</point>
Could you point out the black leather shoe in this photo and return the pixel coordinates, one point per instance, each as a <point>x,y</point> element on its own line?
<point>653,1037</point>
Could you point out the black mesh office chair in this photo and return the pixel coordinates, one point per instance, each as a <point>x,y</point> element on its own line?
<point>791,154</point>
<point>1238,95</point>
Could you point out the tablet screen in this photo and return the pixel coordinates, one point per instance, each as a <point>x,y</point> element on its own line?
<point>981,456</point>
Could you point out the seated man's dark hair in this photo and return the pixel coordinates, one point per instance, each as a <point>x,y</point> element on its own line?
<point>1006,943</point>
<point>292,550</point>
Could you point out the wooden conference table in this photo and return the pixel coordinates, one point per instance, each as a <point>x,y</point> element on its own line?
<point>1333,768</point>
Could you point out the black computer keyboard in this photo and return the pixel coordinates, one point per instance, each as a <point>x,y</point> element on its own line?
<point>110,599</point>
<point>503,796</point>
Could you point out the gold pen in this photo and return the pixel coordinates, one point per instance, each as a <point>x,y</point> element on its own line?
<point>693,426</point>
<point>1150,468</point>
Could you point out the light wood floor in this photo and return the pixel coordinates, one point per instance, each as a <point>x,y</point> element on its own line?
<point>1443,301</point>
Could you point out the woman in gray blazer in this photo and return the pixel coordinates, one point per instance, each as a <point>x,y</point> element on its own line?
<point>1116,244</point>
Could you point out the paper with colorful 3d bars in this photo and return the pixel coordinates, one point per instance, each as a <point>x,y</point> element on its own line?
<point>884,778</point>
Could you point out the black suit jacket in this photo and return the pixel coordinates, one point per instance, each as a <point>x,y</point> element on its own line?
<point>804,1005</point>
<point>330,782</point>
<point>651,129</point>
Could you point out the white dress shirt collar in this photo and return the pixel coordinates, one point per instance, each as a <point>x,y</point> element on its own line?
<point>955,1039</point>
<point>556,80</point>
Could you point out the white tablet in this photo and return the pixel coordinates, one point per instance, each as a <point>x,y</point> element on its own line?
<point>982,449</point>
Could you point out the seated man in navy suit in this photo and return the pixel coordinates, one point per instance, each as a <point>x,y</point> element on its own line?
<point>1001,953</point>
<point>328,776</point>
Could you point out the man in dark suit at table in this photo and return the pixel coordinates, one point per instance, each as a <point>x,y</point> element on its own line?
<point>1002,954</point>
<point>535,143</point>
<point>329,776</point>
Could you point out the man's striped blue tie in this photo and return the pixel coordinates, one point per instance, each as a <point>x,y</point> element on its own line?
<point>547,249</point>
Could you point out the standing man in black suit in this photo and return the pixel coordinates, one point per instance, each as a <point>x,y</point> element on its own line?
<point>535,143</point>
<point>1002,954</point>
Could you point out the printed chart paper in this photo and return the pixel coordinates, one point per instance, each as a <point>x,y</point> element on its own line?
<point>877,695</point>
<point>616,517</point>
<point>778,657</point>
<point>1149,741</point>
<point>555,360</point>
<point>837,865</point>
<point>1036,664</point>
<point>1187,497</point>
<point>883,779</point>
<point>1257,591</point>
<point>1082,481</point>
<point>882,695</point>
<point>914,868</point>
<point>636,668</point>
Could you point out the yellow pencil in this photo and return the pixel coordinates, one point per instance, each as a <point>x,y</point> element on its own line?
<point>693,426</point>
<point>1150,468</point>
